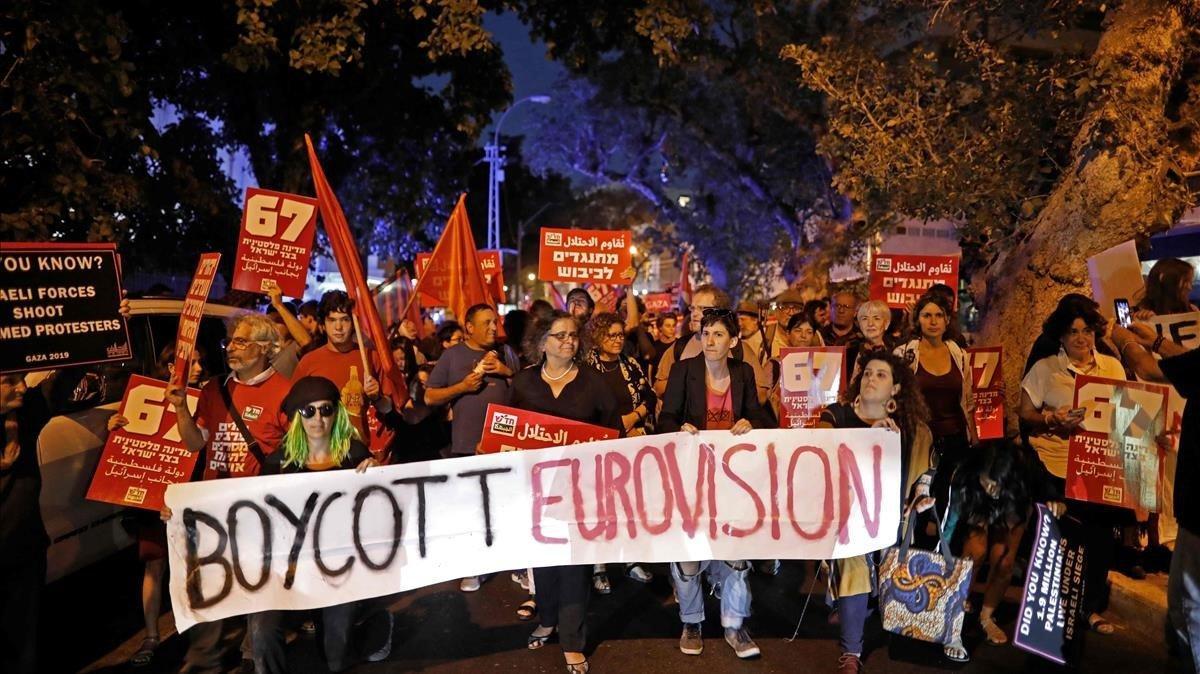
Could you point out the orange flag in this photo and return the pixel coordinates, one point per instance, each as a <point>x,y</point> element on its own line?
<point>455,257</point>
<point>345,253</point>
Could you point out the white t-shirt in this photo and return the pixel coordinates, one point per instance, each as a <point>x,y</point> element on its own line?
<point>1051,381</point>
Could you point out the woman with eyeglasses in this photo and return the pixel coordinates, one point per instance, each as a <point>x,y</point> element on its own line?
<point>713,392</point>
<point>320,437</point>
<point>557,385</point>
<point>635,403</point>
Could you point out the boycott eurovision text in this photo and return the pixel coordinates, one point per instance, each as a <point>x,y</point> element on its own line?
<point>313,540</point>
<point>584,255</point>
<point>59,306</point>
<point>900,280</point>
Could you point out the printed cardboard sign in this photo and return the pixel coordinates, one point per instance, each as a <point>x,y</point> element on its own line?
<point>275,242</point>
<point>507,428</point>
<point>296,542</point>
<point>584,255</point>
<point>60,306</point>
<point>1051,617</point>
<point>810,379</point>
<point>659,303</point>
<point>900,280</point>
<point>1113,457</point>
<point>987,388</point>
<point>193,311</point>
<point>140,459</point>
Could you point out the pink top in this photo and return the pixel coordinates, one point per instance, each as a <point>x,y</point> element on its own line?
<point>719,409</point>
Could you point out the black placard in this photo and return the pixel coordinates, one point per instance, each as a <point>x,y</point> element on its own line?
<point>1051,623</point>
<point>59,306</point>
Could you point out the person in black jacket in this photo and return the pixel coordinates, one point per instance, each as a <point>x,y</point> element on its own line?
<point>713,392</point>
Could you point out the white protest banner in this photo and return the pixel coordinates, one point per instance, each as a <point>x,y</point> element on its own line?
<point>318,539</point>
<point>1116,274</point>
<point>1183,329</point>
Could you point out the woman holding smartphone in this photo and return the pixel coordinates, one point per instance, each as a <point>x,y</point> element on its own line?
<point>1047,413</point>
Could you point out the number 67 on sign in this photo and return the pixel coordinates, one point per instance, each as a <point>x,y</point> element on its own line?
<point>275,242</point>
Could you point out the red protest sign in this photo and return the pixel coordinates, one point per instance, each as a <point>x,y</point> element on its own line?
<point>987,390</point>
<point>507,428</point>
<point>584,255</point>
<point>1114,457</point>
<point>143,457</point>
<point>900,280</point>
<point>659,303</point>
<point>189,317</point>
<point>435,291</point>
<point>275,242</point>
<point>810,379</point>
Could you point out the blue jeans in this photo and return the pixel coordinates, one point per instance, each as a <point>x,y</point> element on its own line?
<point>735,591</point>
<point>1183,593</point>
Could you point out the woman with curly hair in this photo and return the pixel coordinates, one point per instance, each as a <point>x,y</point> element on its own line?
<point>884,394</point>
<point>635,403</point>
<point>992,497</point>
<point>1048,416</point>
<point>320,437</point>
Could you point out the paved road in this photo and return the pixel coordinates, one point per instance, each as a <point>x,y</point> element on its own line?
<point>92,623</point>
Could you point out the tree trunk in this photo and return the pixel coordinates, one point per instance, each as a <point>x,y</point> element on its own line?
<point>1117,187</point>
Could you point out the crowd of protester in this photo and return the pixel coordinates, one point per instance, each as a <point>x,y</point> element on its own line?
<point>716,366</point>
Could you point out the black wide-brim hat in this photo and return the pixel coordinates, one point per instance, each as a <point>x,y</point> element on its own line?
<point>308,390</point>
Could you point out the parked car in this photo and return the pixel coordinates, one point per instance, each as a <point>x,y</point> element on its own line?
<point>82,531</point>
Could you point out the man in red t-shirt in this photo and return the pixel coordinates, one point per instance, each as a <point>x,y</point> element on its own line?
<point>341,362</point>
<point>257,392</point>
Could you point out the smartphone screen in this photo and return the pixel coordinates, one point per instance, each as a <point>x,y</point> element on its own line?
<point>1121,305</point>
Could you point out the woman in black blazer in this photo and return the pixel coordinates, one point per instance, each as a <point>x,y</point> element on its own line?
<point>713,392</point>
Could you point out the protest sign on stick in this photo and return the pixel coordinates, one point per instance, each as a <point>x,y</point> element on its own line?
<point>507,428</point>
<point>1113,456</point>
<point>584,255</point>
<point>141,458</point>
<point>59,306</point>
<point>900,280</point>
<point>1051,618</point>
<point>987,389</point>
<point>193,311</point>
<point>810,379</point>
<point>659,303</point>
<point>275,242</point>
<point>294,542</point>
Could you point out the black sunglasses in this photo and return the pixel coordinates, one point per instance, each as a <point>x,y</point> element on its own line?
<point>717,312</point>
<point>308,411</point>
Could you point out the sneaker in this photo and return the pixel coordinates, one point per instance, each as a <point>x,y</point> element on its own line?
<point>600,583</point>
<point>690,642</point>
<point>639,573</point>
<point>469,584</point>
<point>741,643</point>
<point>849,663</point>
<point>386,649</point>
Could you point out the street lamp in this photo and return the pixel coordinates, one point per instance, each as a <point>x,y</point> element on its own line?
<point>493,154</point>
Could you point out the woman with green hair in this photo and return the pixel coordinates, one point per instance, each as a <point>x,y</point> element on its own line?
<point>320,437</point>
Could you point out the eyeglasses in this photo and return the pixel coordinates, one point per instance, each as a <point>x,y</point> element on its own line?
<point>237,343</point>
<point>713,311</point>
<point>308,411</point>
<point>565,336</point>
<point>615,335</point>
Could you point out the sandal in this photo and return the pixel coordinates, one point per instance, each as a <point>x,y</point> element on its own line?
<point>527,610</point>
<point>955,652</point>
<point>145,653</point>
<point>995,635</point>
<point>578,667</point>
<point>1100,625</point>
<point>600,582</point>
<point>536,640</point>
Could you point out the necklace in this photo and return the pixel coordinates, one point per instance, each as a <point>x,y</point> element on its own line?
<point>565,372</point>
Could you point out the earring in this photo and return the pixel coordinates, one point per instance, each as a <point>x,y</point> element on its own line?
<point>890,406</point>
<point>858,401</point>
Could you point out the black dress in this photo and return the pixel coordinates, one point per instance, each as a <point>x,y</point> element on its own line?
<point>562,592</point>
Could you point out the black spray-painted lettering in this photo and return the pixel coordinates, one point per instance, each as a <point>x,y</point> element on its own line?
<point>420,482</point>
<point>334,573</point>
<point>194,562</point>
<point>397,526</point>
<point>301,524</point>
<point>487,499</point>
<point>232,522</point>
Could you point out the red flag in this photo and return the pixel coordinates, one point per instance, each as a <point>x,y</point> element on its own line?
<point>455,256</point>
<point>345,253</point>
<point>412,310</point>
<point>560,302</point>
<point>685,281</point>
